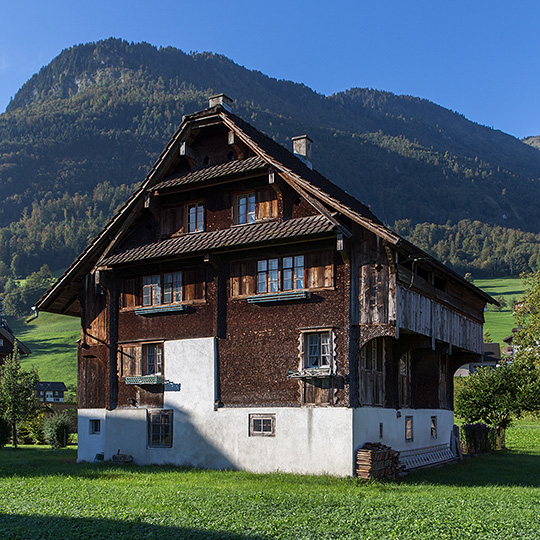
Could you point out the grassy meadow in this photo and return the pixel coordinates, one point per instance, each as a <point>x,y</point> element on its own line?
<point>45,494</point>
<point>500,323</point>
<point>53,341</point>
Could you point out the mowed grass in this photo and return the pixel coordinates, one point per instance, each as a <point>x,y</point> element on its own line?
<point>53,341</point>
<point>500,324</point>
<point>45,494</point>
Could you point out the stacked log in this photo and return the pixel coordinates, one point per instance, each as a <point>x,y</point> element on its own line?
<point>375,460</point>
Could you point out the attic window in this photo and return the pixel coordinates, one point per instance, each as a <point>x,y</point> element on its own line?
<point>254,206</point>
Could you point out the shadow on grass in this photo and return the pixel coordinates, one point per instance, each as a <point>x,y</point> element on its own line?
<point>15,526</point>
<point>503,468</point>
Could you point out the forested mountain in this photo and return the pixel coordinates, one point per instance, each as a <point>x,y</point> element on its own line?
<point>80,133</point>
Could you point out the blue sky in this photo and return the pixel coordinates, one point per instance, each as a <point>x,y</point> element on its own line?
<point>478,57</point>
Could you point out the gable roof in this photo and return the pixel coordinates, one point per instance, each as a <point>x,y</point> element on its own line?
<point>44,386</point>
<point>6,334</point>
<point>326,197</point>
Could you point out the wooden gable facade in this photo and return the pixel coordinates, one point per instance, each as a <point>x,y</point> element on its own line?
<point>8,341</point>
<point>240,305</point>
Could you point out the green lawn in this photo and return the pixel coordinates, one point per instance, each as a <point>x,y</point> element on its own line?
<point>500,324</point>
<point>52,340</point>
<point>45,494</point>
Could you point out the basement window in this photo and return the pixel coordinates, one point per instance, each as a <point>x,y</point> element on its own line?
<point>409,428</point>
<point>95,426</point>
<point>160,429</point>
<point>433,427</point>
<point>262,425</point>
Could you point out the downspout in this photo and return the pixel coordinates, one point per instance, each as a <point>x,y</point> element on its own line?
<point>34,316</point>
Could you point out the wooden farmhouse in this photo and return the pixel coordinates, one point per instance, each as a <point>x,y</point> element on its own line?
<point>242,311</point>
<point>8,341</point>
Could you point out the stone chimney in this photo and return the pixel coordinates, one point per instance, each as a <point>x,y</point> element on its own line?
<point>220,99</point>
<point>302,149</point>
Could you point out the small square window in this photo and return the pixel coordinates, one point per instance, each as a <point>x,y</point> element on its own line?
<point>433,427</point>
<point>95,426</point>
<point>262,425</point>
<point>408,428</point>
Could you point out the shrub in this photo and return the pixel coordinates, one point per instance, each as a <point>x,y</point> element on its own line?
<point>477,438</point>
<point>5,432</point>
<point>31,432</point>
<point>56,429</point>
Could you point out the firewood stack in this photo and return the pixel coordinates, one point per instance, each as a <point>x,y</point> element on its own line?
<point>375,460</point>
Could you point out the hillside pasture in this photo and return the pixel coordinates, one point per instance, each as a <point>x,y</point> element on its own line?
<point>53,341</point>
<point>500,323</point>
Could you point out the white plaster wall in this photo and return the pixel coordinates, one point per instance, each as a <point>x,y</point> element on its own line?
<point>366,427</point>
<point>314,440</point>
<point>90,444</point>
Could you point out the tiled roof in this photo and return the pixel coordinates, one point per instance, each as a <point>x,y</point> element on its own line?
<point>263,231</point>
<point>229,168</point>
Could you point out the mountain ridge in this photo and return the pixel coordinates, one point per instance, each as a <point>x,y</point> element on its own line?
<point>96,117</point>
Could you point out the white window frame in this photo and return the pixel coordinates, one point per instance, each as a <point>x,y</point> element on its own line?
<point>152,358</point>
<point>317,357</point>
<point>246,208</point>
<point>262,425</point>
<point>195,217</point>
<point>280,274</point>
<point>165,288</point>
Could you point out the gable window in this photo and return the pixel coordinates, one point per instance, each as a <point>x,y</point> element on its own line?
<point>245,208</point>
<point>318,349</point>
<point>262,425</point>
<point>371,372</point>
<point>160,429</point>
<point>152,359</point>
<point>1,342</point>
<point>195,217</point>
<point>255,205</point>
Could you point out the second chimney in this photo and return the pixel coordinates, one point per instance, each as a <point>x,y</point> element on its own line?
<point>302,149</point>
<point>220,99</point>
